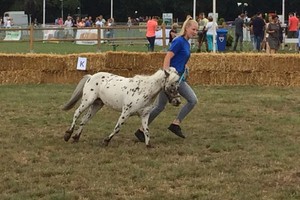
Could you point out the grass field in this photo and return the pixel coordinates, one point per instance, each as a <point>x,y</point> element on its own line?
<point>242,143</point>
<point>67,48</point>
<point>71,47</point>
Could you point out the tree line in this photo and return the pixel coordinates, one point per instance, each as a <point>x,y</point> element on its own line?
<point>227,9</point>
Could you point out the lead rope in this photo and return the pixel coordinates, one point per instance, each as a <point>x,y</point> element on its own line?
<point>182,75</point>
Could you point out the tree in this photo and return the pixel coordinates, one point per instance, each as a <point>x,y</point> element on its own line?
<point>30,8</point>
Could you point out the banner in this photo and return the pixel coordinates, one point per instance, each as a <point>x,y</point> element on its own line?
<point>158,34</point>
<point>12,35</point>
<point>53,34</point>
<point>168,19</point>
<point>88,34</point>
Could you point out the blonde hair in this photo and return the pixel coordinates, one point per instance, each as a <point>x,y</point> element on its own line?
<point>187,23</point>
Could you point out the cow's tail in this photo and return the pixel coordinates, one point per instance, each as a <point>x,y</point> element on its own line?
<point>77,94</point>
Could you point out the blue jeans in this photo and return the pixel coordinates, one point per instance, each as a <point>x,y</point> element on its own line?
<point>186,92</point>
<point>151,41</point>
<point>258,40</point>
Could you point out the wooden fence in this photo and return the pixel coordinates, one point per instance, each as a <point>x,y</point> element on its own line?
<point>32,31</point>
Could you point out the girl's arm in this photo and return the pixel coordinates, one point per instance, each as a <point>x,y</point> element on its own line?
<point>167,59</point>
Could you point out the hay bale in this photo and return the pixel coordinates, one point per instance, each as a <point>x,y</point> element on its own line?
<point>20,76</point>
<point>205,68</point>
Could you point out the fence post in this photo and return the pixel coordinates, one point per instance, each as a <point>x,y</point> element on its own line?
<point>99,39</point>
<point>164,36</point>
<point>31,37</point>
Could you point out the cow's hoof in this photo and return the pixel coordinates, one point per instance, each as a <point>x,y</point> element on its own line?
<point>67,136</point>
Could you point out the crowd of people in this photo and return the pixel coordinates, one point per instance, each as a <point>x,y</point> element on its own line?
<point>265,34</point>
<point>81,22</point>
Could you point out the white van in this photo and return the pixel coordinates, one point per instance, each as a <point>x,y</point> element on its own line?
<point>19,18</point>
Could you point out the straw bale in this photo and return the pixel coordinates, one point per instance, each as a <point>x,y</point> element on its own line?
<point>95,61</point>
<point>58,76</point>
<point>205,68</point>
<point>13,62</point>
<point>20,76</point>
<point>156,61</point>
<point>121,60</point>
<point>295,79</point>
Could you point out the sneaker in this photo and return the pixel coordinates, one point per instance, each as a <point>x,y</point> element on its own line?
<point>140,135</point>
<point>176,130</point>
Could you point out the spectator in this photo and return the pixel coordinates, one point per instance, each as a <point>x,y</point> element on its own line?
<point>81,23</point>
<point>99,22</point>
<point>129,33</point>
<point>88,22</point>
<point>56,21</point>
<point>35,22</point>
<point>267,34</point>
<point>150,34</point>
<point>293,27</point>
<point>202,22</point>
<point>102,19</point>
<point>252,34</point>
<point>239,25</point>
<point>210,32</point>
<point>68,27</point>
<point>60,22</point>
<point>173,32</point>
<point>258,27</point>
<point>274,30</point>
<point>9,23</point>
<point>109,31</point>
<point>129,22</point>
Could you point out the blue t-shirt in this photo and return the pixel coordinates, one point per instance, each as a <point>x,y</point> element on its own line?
<point>181,49</point>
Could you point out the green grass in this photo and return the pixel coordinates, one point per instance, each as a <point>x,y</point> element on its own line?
<point>71,47</point>
<point>242,143</point>
<point>67,48</point>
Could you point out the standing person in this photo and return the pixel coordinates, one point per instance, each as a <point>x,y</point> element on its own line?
<point>150,34</point>
<point>109,31</point>
<point>68,26</point>
<point>173,32</point>
<point>177,57</point>
<point>60,21</point>
<point>99,22</point>
<point>202,22</point>
<point>293,27</point>
<point>274,31</point>
<point>258,27</point>
<point>129,32</point>
<point>239,25</point>
<point>210,33</point>
<point>266,39</point>
<point>252,34</point>
<point>88,23</point>
<point>8,23</point>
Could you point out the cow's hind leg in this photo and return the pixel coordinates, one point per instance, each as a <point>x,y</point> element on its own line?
<point>76,115</point>
<point>93,109</point>
<point>124,116</point>
<point>82,107</point>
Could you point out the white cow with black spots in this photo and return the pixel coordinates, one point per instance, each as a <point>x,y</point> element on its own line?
<point>129,95</point>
